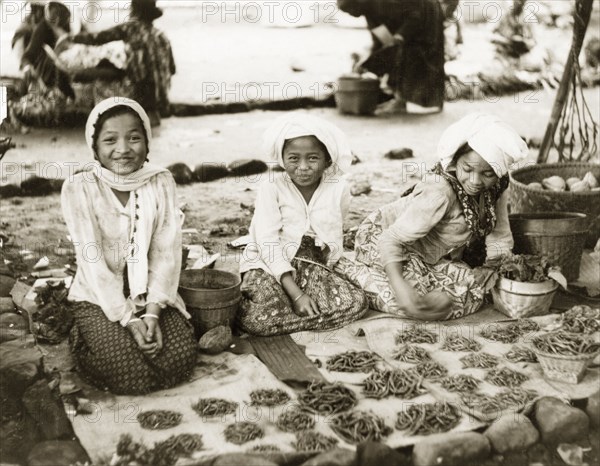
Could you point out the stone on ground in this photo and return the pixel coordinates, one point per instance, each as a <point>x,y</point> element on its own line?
<point>512,432</point>
<point>55,452</point>
<point>453,449</point>
<point>44,407</point>
<point>593,409</point>
<point>559,422</point>
<point>335,457</point>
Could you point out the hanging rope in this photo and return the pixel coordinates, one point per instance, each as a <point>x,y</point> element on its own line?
<point>576,124</point>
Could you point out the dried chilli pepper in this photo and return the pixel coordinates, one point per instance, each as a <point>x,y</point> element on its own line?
<point>411,353</point>
<point>159,419</point>
<point>479,360</point>
<point>327,398</point>
<point>428,418</point>
<point>309,440</point>
<point>520,354</point>
<point>504,377</point>
<point>359,426</point>
<point>242,432</point>
<point>269,397</point>
<point>460,343</point>
<point>460,383</point>
<point>400,383</point>
<point>352,361</point>
<point>566,344</point>
<point>295,420</point>
<point>416,334</point>
<point>210,407</point>
<point>430,370</point>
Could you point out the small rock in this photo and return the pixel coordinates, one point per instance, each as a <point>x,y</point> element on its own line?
<point>47,411</point>
<point>6,285</point>
<point>12,326</point>
<point>53,452</point>
<point>376,454</point>
<point>36,186</point>
<point>511,432</point>
<point>181,173</point>
<point>10,190</point>
<point>242,459</point>
<point>355,159</point>
<point>360,187</point>
<point>216,340</point>
<point>247,167</point>
<point>210,171</point>
<point>17,436</point>
<point>335,457</point>
<point>453,449</point>
<point>19,365</point>
<point>559,422</point>
<point>593,409</point>
<point>399,154</point>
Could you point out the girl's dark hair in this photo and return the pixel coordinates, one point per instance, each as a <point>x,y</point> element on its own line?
<point>319,144</point>
<point>113,112</point>
<point>462,150</point>
<point>60,15</point>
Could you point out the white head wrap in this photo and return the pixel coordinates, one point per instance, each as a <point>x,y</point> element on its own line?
<point>495,141</point>
<point>296,125</point>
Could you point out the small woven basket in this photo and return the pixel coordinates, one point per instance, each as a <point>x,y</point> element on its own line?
<point>524,199</point>
<point>519,299</point>
<point>564,368</point>
<point>559,236</point>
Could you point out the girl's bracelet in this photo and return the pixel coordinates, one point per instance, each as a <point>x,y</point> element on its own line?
<point>298,297</point>
<point>152,316</point>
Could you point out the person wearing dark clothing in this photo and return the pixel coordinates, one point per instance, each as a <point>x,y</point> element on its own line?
<point>408,46</point>
<point>35,61</point>
<point>150,63</point>
<point>22,35</point>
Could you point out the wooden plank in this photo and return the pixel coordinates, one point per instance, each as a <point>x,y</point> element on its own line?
<point>285,359</point>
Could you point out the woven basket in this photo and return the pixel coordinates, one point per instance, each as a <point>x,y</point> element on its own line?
<point>524,199</point>
<point>519,299</point>
<point>558,236</point>
<point>564,368</point>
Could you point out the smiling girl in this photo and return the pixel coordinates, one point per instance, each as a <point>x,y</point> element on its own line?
<point>414,257</point>
<point>297,235</point>
<point>130,332</point>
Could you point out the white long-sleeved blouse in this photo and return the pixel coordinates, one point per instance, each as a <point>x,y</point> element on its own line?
<point>100,228</point>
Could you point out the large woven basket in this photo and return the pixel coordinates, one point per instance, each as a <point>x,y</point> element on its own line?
<point>519,299</point>
<point>524,199</point>
<point>558,236</point>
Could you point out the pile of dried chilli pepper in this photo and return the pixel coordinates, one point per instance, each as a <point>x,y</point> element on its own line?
<point>416,334</point>
<point>295,420</point>
<point>430,370</point>
<point>509,333</point>
<point>159,419</point>
<point>456,342</point>
<point>327,398</point>
<point>428,418</point>
<point>504,377</point>
<point>515,398</point>
<point>269,397</point>
<point>566,344</point>
<point>359,426</point>
<point>265,447</point>
<point>352,361</point>
<point>310,440</point>
<point>242,432</point>
<point>411,353</point>
<point>581,319</point>
<point>520,354</point>
<point>460,383</point>
<point>210,407</point>
<point>400,383</point>
<point>479,360</point>
<point>181,445</point>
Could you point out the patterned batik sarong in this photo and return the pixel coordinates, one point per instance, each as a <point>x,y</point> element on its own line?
<point>108,356</point>
<point>464,285</point>
<point>266,309</point>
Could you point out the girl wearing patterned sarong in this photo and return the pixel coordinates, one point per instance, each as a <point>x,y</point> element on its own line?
<point>414,257</point>
<point>297,235</point>
<point>131,333</point>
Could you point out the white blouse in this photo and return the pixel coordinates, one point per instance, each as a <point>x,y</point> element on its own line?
<point>100,228</point>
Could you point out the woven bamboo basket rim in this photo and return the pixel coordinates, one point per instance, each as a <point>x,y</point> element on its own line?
<point>565,357</point>
<point>550,166</point>
<point>545,292</point>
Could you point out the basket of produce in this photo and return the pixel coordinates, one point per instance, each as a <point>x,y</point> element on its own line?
<point>581,319</point>
<point>565,356</point>
<point>559,187</point>
<point>558,236</point>
<point>526,285</point>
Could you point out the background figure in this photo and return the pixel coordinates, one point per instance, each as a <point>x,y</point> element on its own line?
<point>408,46</point>
<point>36,64</point>
<point>514,35</point>
<point>150,64</point>
<point>23,34</point>
<point>452,29</point>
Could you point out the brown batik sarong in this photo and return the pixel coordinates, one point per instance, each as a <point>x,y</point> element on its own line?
<point>464,285</point>
<point>266,309</point>
<point>108,356</point>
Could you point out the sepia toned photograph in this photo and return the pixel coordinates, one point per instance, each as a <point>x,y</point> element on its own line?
<point>299,233</point>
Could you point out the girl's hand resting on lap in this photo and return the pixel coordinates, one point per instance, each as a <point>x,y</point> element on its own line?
<point>147,335</point>
<point>306,306</point>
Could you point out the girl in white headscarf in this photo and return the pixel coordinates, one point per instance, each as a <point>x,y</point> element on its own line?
<point>414,257</point>
<point>130,331</point>
<point>297,234</point>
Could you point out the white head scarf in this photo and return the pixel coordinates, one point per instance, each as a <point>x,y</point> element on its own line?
<point>495,141</point>
<point>136,179</point>
<point>295,125</point>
